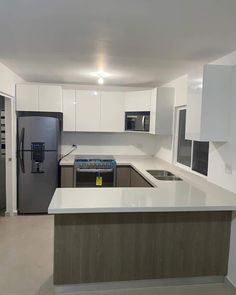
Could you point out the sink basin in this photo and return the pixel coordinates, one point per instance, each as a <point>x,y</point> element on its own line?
<point>164,175</point>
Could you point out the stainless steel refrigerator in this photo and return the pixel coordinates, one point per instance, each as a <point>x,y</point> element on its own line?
<point>37,158</point>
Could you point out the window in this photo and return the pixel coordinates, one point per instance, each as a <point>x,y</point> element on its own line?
<point>193,154</point>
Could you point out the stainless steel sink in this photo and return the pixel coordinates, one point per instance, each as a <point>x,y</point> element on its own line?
<point>164,175</point>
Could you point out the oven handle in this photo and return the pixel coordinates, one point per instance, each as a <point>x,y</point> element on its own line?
<point>94,170</point>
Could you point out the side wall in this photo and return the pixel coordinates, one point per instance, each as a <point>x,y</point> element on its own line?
<point>8,80</point>
<point>222,156</point>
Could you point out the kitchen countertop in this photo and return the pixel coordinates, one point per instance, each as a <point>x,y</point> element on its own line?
<point>194,193</point>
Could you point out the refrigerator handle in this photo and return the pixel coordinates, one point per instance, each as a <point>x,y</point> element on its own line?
<point>21,150</point>
<point>22,139</point>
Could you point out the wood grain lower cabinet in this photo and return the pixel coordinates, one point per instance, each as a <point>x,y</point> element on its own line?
<point>123,174</point>
<point>126,176</point>
<point>106,247</point>
<point>129,177</point>
<point>136,180</point>
<point>67,176</point>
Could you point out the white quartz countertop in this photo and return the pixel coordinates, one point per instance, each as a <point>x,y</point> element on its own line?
<point>194,193</point>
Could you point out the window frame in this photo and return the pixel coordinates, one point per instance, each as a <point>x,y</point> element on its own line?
<point>176,139</point>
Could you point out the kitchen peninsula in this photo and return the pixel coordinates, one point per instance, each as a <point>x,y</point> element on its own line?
<point>177,229</point>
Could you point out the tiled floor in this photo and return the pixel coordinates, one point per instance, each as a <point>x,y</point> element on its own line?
<point>26,251</point>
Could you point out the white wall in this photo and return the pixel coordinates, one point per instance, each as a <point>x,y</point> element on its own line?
<point>8,80</point>
<point>220,154</point>
<point>110,143</point>
<point>165,143</point>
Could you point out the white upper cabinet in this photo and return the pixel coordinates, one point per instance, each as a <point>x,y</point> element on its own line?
<point>162,111</point>
<point>26,97</point>
<point>209,103</point>
<point>112,112</point>
<point>68,109</point>
<point>44,98</point>
<point>88,110</point>
<point>50,98</point>
<point>138,100</point>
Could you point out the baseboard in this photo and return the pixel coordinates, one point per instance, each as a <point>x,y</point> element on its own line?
<point>60,289</point>
<point>229,283</point>
<point>9,214</point>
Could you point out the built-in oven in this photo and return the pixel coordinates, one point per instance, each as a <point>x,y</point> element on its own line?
<point>137,121</point>
<point>94,173</point>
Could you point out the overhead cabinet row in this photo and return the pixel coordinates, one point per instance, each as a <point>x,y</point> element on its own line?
<point>104,111</point>
<point>99,111</point>
<point>42,98</point>
<point>85,110</point>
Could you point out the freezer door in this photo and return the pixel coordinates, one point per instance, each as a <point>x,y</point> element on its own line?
<point>36,186</point>
<point>38,129</point>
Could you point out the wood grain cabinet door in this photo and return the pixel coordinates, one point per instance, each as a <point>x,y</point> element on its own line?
<point>67,176</point>
<point>136,180</point>
<point>123,176</point>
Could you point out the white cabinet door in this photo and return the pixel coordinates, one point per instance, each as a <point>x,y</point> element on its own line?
<point>165,110</point>
<point>162,111</point>
<point>88,110</point>
<point>50,98</point>
<point>209,103</point>
<point>112,112</point>
<point>27,97</point>
<point>68,109</point>
<point>138,100</point>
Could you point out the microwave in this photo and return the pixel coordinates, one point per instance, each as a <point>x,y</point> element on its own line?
<point>137,121</point>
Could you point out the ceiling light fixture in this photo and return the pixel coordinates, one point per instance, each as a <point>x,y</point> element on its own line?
<point>100,80</point>
<point>101,76</point>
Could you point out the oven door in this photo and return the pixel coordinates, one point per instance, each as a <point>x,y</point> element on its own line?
<point>94,178</point>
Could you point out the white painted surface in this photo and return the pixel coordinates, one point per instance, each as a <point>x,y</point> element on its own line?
<point>69,109</point>
<point>88,110</point>
<point>191,194</point>
<point>164,148</point>
<point>109,143</point>
<point>221,155</point>
<point>10,119</point>
<point>165,110</point>
<point>112,111</point>
<point>50,98</point>
<point>209,103</point>
<point>8,80</point>
<point>124,38</point>
<point>138,100</point>
<point>27,97</point>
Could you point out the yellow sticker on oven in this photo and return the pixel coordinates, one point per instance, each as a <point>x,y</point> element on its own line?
<point>98,181</point>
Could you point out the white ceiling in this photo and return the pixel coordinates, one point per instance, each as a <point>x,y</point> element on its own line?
<point>140,42</point>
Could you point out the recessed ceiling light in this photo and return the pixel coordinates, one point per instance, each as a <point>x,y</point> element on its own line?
<point>101,80</point>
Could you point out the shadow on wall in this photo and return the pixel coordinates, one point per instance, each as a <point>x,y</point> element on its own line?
<point>110,143</point>
<point>164,147</point>
<point>222,163</point>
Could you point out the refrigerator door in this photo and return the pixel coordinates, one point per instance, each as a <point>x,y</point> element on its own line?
<point>38,129</point>
<point>36,186</point>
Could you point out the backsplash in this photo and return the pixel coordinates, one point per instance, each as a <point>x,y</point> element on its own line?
<point>109,143</point>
